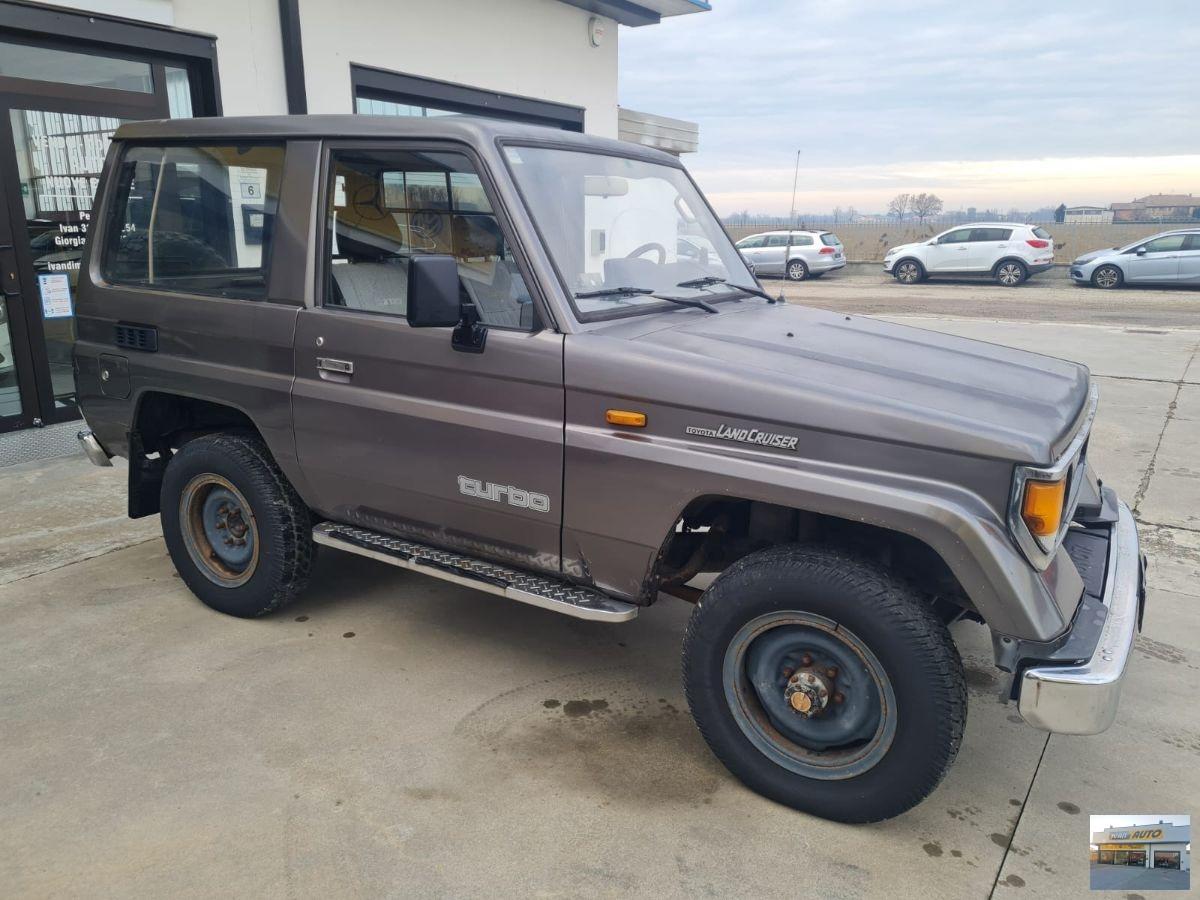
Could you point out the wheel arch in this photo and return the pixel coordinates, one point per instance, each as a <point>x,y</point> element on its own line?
<point>714,531</point>
<point>1007,259</point>
<point>162,422</point>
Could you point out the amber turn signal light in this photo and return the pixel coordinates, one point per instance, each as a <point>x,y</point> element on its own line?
<point>625,417</point>
<point>1042,507</point>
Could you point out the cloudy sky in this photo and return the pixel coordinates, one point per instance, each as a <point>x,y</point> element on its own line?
<point>986,104</point>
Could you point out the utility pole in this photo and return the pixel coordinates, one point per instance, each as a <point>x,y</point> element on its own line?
<point>787,253</point>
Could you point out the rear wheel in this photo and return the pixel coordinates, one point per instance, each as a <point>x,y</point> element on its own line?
<point>239,535</point>
<point>1108,277</point>
<point>908,271</point>
<point>825,684</point>
<point>1011,273</point>
<point>797,270</point>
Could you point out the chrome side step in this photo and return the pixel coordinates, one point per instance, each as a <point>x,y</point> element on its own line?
<point>537,590</point>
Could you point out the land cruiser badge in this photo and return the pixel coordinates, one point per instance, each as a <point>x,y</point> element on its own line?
<point>725,432</point>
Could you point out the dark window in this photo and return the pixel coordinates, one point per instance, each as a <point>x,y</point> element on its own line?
<point>990,234</point>
<point>1193,242</point>
<point>1042,233</point>
<point>959,236</point>
<point>195,220</point>
<point>390,205</point>
<point>802,240</point>
<point>829,239</point>
<point>751,243</point>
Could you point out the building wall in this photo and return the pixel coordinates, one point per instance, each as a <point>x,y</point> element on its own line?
<point>534,48</point>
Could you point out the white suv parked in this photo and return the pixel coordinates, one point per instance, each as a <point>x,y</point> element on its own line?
<point>807,253</point>
<point>1008,252</point>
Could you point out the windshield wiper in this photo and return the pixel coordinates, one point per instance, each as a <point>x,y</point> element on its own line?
<point>711,280</point>
<point>613,292</point>
<point>648,292</point>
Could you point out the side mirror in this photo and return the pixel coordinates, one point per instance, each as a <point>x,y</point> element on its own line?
<point>433,299</point>
<point>1141,251</point>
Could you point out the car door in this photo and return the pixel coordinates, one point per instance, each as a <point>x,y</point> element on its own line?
<point>1156,260</point>
<point>1189,260</point>
<point>774,253</point>
<point>752,249</point>
<point>395,429</point>
<point>950,253</point>
<point>987,247</point>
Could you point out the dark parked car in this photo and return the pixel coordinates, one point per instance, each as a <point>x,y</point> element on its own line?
<point>533,363</point>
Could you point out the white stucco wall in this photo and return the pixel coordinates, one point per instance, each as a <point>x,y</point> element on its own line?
<point>534,48</point>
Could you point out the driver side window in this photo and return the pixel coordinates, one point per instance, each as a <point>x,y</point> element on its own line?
<point>959,236</point>
<point>751,243</point>
<point>386,206</point>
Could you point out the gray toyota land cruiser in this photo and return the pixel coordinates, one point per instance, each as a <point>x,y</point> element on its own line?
<point>532,362</point>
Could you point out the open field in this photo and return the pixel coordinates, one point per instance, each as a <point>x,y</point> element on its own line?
<point>392,735</point>
<point>870,242</point>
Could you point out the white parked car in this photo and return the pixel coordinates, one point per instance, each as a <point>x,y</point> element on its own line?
<point>1169,258</point>
<point>1006,251</point>
<point>805,254</point>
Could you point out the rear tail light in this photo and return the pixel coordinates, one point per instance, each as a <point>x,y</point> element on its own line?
<point>825,250</point>
<point>1040,245</point>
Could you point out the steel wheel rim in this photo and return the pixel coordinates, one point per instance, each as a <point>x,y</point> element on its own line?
<point>1010,273</point>
<point>219,530</point>
<point>867,715</point>
<point>908,272</point>
<point>1106,278</point>
<point>796,271</point>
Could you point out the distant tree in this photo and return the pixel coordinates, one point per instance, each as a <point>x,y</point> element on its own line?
<point>900,205</point>
<point>925,205</point>
<point>1060,214</point>
<point>852,214</point>
<point>837,215</point>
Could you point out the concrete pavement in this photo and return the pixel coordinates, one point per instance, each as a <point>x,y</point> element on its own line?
<point>395,735</point>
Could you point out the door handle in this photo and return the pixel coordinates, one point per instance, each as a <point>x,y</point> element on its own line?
<point>337,366</point>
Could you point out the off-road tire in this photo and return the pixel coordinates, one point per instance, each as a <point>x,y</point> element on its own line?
<point>900,271</point>
<point>1010,273</point>
<point>910,642</point>
<point>796,270</point>
<point>1112,279</point>
<point>282,520</point>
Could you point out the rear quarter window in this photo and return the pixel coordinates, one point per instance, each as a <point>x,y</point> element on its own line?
<point>1042,233</point>
<point>194,219</point>
<point>829,239</point>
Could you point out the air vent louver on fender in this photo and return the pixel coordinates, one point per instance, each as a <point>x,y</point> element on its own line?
<point>136,337</point>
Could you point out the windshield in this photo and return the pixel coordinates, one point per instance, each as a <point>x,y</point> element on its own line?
<point>610,222</point>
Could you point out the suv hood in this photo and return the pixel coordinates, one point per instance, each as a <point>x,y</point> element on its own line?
<point>812,369</point>
<point>904,248</point>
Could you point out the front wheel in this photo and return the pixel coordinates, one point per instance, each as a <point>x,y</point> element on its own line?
<point>824,683</point>
<point>908,271</point>
<point>797,270</point>
<point>1107,277</point>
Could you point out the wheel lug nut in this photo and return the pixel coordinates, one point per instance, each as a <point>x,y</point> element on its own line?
<point>222,526</point>
<point>806,660</point>
<point>838,698</point>
<point>787,673</point>
<point>831,672</point>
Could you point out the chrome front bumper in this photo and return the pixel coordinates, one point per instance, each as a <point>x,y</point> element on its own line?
<point>1082,699</point>
<point>96,454</point>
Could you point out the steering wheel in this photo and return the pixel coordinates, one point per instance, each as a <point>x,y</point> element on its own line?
<point>646,248</point>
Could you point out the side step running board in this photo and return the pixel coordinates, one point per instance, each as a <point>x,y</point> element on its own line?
<point>538,590</point>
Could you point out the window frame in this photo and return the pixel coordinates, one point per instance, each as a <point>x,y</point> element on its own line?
<point>1182,244</point>
<point>113,196</point>
<point>741,245</point>
<point>323,269</point>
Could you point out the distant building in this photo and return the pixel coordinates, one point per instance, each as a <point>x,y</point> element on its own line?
<point>1158,208</point>
<point>1087,215</point>
<point>1156,845</point>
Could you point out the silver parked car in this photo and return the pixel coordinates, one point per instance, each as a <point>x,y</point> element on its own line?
<point>811,254</point>
<point>1172,257</point>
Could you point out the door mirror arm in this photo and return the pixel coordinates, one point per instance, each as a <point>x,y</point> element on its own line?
<point>469,335</point>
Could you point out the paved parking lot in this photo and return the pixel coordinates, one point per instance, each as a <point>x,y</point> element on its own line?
<point>1134,878</point>
<point>394,735</point>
